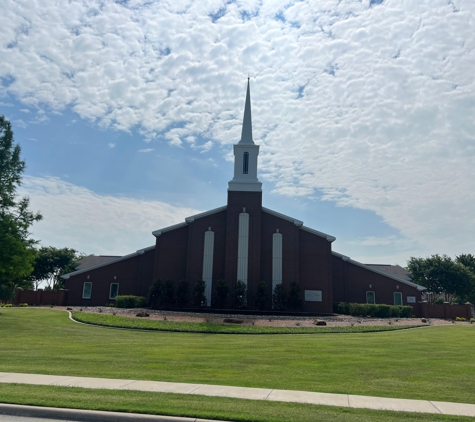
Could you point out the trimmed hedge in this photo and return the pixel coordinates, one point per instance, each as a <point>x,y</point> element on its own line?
<point>130,301</point>
<point>378,311</point>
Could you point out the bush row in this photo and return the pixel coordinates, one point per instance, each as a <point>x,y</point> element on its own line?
<point>130,301</point>
<point>379,311</point>
<point>165,294</point>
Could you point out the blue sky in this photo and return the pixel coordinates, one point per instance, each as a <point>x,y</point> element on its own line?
<point>126,113</point>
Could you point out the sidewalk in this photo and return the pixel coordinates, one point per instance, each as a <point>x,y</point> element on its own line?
<point>325,399</point>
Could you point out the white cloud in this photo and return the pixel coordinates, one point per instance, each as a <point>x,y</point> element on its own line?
<point>76,217</point>
<point>111,145</point>
<point>146,150</point>
<point>371,107</point>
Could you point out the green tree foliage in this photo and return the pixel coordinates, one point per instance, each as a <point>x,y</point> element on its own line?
<point>16,248</point>
<point>240,295</point>
<point>161,294</point>
<point>221,292</point>
<point>199,298</point>
<point>468,261</point>
<point>262,295</point>
<point>182,293</point>
<point>294,298</point>
<point>167,296</point>
<point>441,275</point>
<point>154,294</point>
<point>51,263</point>
<point>279,297</point>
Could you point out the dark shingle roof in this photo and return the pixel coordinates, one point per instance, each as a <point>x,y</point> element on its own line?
<point>91,260</point>
<point>394,270</point>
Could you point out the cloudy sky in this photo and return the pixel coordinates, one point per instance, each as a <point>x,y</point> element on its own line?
<point>126,112</point>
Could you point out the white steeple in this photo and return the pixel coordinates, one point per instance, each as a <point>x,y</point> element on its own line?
<point>245,155</point>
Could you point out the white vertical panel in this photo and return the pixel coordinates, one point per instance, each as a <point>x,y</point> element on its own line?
<point>276,259</point>
<point>208,264</point>
<point>243,247</point>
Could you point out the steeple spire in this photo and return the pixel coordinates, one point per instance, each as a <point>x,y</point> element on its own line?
<point>246,135</point>
<point>245,155</point>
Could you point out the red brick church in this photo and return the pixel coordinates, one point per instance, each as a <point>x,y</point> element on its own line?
<point>245,241</point>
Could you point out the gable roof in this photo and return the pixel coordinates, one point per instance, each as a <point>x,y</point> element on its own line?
<point>378,271</point>
<point>91,260</point>
<point>395,270</point>
<point>299,224</point>
<point>112,261</point>
<point>189,220</point>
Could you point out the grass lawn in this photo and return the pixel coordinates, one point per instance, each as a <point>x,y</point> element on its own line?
<point>108,320</point>
<point>199,406</point>
<point>435,363</point>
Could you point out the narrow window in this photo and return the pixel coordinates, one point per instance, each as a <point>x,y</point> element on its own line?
<point>276,259</point>
<point>370,298</point>
<point>114,290</point>
<point>208,264</point>
<point>245,163</point>
<point>87,290</point>
<point>243,247</point>
<point>398,298</point>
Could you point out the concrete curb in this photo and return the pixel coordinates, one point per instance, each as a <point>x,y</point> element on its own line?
<point>87,415</point>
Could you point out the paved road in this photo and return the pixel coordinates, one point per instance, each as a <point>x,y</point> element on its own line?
<point>8,418</point>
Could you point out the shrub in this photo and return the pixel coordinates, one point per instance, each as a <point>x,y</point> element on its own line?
<point>262,295</point>
<point>8,305</point>
<point>378,311</point>
<point>472,320</point>
<point>199,298</point>
<point>279,297</point>
<point>460,319</point>
<point>221,292</point>
<point>341,308</point>
<point>130,301</point>
<point>161,294</point>
<point>167,294</point>
<point>240,295</point>
<point>182,293</point>
<point>439,301</point>
<point>294,298</point>
<point>154,294</point>
<point>23,304</point>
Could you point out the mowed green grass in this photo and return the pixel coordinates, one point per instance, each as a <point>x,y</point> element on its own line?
<point>435,363</point>
<point>200,406</point>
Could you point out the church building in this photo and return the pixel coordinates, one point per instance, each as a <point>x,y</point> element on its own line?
<point>244,241</point>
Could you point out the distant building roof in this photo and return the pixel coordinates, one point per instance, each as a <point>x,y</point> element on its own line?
<point>92,260</point>
<point>394,270</point>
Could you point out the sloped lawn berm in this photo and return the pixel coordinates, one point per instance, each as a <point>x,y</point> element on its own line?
<point>117,321</point>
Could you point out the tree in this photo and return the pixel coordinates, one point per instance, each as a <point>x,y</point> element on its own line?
<point>240,295</point>
<point>468,261</point>
<point>51,263</point>
<point>440,274</point>
<point>221,292</point>
<point>279,297</point>
<point>182,293</point>
<point>294,298</point>
<point>16,248</point>
<point>199,297</point>
<point>261,295</point>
